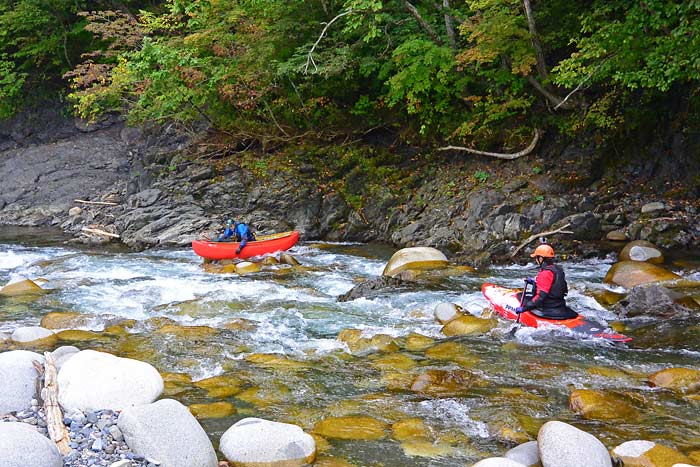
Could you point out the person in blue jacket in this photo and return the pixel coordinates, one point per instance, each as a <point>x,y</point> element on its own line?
<point>239,231</point>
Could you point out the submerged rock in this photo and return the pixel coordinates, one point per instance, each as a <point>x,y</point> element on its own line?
<point>252,442</point>
<point>415,258</point>
<point>597,405</point>
<point>678,379</point>
<point>444,383</point>
<point>213,410</point>
<point>352,427</point>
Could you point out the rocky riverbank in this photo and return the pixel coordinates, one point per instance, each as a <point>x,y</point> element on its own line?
<point>166,189</point>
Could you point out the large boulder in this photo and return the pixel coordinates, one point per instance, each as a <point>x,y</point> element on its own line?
<point>21,446</point>
<point>641,250</point>
<point>467,325</point>
<point>498,462</point>
<point>19,378</point>
<point>446,312</point>
<point>253,441</point>
<point>416,258</point>
<point>563,445</point>
<point>527,454</point>
<point>639,453</point>
<point>92,380</point>
<point>632,273</point>
<point>167,432</point>
<point>652,300</point>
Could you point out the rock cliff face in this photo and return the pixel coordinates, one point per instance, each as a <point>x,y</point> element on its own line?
<point>154,190</point>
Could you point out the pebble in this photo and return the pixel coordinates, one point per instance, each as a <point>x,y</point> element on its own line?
<point>95,438</point>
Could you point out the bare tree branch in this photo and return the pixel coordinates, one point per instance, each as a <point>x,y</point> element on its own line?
<point>541,65</point>
<point>498,155</point>
<point>449,26</point>
<point>554,99</point>
<point>423,24</point>
<point>556,107</point>
<point>309,57</point>
<point>542,234</point>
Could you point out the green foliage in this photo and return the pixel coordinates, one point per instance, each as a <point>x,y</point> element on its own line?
<point>480,176</point>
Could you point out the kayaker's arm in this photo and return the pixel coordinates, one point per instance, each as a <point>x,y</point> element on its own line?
<point>544,282</point>
<point>226,235</point>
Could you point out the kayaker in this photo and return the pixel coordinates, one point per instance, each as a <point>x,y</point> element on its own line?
<point>550,287</point>
<point>240,233</point>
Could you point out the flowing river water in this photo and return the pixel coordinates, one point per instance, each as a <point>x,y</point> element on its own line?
<point>274,335</point>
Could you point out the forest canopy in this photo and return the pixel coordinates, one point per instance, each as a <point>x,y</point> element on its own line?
<point>483,73</point>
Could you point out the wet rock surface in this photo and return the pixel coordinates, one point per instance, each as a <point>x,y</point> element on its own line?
<point>157,189</point>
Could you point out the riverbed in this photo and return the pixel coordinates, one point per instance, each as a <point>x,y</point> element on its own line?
<point>275,332</point>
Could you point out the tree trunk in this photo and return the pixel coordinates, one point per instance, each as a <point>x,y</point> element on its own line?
<point>423,24</point>
<point>449,26</point>
<point>539,55</point>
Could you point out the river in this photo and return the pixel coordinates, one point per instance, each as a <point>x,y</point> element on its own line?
<point>275,333</point>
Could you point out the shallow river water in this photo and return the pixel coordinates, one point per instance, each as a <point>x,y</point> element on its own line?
<point>275,334</point>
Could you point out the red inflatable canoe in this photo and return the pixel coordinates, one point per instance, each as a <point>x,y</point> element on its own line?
<point>263,245</point>
<point>505,301</point>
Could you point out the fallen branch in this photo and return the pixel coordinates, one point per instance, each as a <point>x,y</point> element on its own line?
<point>498,155</point>
<point>309,57</point>
<point>99,232</point>
<point>542,234</point>
<point>54,416</point>
<point>98,203</point>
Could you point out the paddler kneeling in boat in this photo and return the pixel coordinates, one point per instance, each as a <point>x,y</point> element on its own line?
<point>550,288</point>
<point>240,233</point>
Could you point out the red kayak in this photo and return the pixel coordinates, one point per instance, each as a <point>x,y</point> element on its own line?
<point>505,301</point>
<point>263,245</point>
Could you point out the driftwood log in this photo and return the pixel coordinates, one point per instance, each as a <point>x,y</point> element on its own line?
<point>99,232</point>
<point>54,416</point>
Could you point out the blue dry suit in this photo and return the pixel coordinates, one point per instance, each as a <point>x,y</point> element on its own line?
<point>240,232</point>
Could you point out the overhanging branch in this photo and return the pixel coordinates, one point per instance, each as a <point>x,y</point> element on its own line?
<point>423,24</point>
<point>309,57</point>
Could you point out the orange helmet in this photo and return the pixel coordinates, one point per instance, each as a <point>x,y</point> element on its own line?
<point>545,251</point>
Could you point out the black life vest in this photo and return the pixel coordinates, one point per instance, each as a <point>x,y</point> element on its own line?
<point>554,304</point>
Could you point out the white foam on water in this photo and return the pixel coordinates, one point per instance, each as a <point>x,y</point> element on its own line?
<point>455,412</point>
<point>11,260</point>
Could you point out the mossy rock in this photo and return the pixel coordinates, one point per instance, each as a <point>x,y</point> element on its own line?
<point>328,461</point>
<point>23,287</point>
<point>352,427</point>
<point>246,267</point>
<point>416,258</point>
<point>393,361</point>
<point>639,453</point>
<point>426,448</point>
<point>275,361</point>
<point>445,383</point>
<point>221,386</point>
<point>678,379</point>
<point>213,410</point>
<point>77,335</point>
<point>410,428</point>
<point>468,325</point>
<point>417,342</point>
<point>631,273</point>
<point>175,383</point>
<point>65,320</point>
<point>598,405</point>
<point>187,332</point>
<point>607,297</point>
<point>454,352</point>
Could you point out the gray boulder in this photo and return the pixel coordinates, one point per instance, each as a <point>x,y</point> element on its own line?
<point>256,441</point>
<point>652,300</point>
<point>373,287</point>
<point>19,378</point>
<point>31,334</point>
<point>62,354</point>
<point>22,446</point>
<point>92,380</point>
<point>498,462</point>
<point>527,453</point>
<point>563,445</point>
<point>166,431</point>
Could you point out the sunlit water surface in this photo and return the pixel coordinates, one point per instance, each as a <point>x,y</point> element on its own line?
<point>524,377</point>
